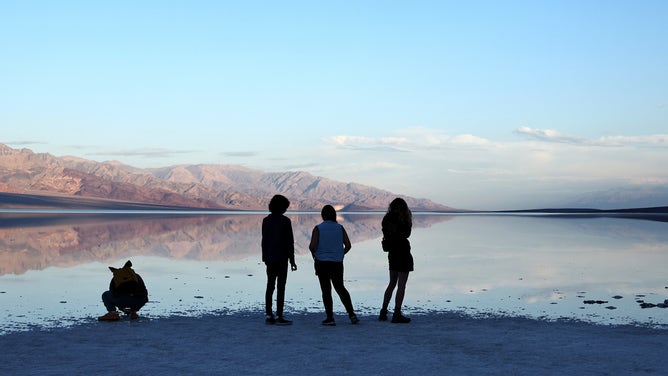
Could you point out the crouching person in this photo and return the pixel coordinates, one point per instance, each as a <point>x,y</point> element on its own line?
<point>127,292</point>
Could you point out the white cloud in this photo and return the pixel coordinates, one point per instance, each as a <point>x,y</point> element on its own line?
<point>660,140</point>
<point>409,139</point>
<point>21,143</point>
<point>549,135</point>
<point>383,144</point>
<point>468,139</point>
<point>467,170</point>
<point>238,153</point>
<point>397,141</point>
<point>347,140</point>
<point>143,153</point>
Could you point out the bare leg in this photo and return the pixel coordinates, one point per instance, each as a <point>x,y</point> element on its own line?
<point>401,290</point>
<point>390,289</point>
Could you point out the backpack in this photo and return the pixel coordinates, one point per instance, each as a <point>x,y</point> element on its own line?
<point>124,275</point>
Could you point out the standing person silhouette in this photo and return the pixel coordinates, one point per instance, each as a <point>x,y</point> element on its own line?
<point>397,224</point>
<point>277,249</point>
<point>329,244</point>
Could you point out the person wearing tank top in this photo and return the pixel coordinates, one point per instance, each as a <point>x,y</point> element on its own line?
<point>329,244</point>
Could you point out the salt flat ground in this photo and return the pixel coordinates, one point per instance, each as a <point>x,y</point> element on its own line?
<point>240,343</point>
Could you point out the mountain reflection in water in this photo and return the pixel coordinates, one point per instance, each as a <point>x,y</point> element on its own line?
<point>35,241</point>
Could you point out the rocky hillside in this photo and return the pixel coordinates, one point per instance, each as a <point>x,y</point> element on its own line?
<point>228,187</point>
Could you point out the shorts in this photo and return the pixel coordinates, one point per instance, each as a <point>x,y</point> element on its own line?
<point>400,261</point>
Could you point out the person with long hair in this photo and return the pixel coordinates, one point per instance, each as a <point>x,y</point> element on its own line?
<point>329,244</point>
<point>397,225</point>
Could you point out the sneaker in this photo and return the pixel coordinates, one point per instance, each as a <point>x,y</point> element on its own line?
<point>110,316</point>
<point>270,320</point>
<point>329,321</point>
<point>133,315</point>
<point>281,321</point>
<point>383,315</point>
<point>353,319</point>
<point>398,318</point>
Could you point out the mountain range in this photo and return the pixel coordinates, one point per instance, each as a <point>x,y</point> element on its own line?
<point>29,179</point>
<point>635,196</point>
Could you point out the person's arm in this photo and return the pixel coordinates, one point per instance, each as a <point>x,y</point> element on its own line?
<point>346,241</point>
<point>315,238</point>
<point>291,241</point>
<point>263,244</point>
<point>142,286</point>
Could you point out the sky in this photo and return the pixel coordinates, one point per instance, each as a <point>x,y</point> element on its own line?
<point>480,104</point>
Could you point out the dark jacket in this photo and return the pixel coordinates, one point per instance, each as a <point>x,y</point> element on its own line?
<point>134,289</point>
<point>396,233</point>
<point>278,244</point>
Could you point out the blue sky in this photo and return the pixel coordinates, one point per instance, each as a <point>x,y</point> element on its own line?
<point>480,104</point>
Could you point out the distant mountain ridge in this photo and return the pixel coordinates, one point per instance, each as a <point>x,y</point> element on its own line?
<point>623,197</point>
<point>204,186</point>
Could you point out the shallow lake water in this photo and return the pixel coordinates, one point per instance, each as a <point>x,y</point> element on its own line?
<point>53,266</point>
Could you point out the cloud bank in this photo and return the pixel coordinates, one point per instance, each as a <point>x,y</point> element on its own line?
<point>466,170</point>
<point>141,153</point>
<point>521,168</point>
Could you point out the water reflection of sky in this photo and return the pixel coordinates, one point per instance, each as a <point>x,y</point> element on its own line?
<point>54,273</point>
